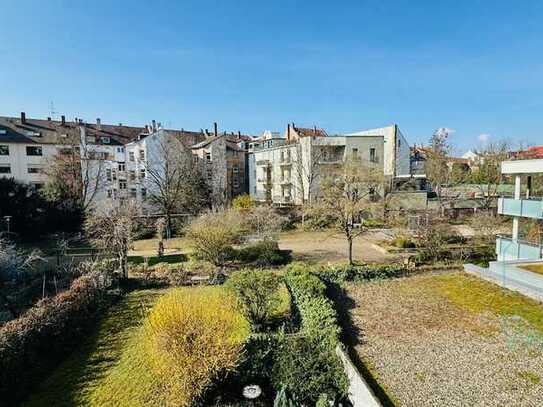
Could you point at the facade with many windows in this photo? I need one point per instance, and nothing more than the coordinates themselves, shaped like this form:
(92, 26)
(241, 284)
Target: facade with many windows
(290, 172)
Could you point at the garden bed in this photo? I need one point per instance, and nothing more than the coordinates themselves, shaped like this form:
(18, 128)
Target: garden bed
(448, 339)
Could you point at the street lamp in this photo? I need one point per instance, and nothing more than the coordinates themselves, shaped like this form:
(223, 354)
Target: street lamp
(7, 218)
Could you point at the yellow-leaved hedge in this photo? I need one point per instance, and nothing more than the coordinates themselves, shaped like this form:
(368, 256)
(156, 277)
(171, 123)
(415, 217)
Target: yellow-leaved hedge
(191, 336)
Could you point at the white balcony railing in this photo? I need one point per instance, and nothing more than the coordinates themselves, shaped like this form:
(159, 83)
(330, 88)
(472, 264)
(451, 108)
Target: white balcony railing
(526, 208)
(509, 249)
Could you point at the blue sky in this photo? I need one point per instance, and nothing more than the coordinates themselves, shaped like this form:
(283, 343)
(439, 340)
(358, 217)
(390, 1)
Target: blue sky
(472, 66)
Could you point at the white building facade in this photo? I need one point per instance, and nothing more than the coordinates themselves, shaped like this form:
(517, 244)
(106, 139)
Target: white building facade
(290, 173)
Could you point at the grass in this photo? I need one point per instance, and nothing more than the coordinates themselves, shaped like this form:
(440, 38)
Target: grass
(535, 268)
(478, 296)
(176, 243)
(82, 378)
(170, 259)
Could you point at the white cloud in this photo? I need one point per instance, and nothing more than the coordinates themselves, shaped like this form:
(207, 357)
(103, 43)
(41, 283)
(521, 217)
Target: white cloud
(483, 138)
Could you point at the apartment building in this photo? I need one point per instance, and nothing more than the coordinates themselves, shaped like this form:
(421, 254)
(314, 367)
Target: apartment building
(224, 159)
(112, 156)
(290, 172)
(522, 206)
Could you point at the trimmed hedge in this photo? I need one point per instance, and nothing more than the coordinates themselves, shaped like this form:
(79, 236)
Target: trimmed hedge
(306, 363)
(39, 339)
(318, 317)
(341, 273)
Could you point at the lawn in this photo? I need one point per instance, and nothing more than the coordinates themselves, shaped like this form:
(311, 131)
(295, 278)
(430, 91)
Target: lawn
(82, 378)
(448, 339)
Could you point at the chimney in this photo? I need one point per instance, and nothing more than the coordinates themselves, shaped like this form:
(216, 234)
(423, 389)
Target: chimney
(63, 120)
(315, 128)
(153, 125)
(239, 134)
(215, 129)
(99, 124)
(48, 119)
(23, 118)
(207, 132)
(288, 132)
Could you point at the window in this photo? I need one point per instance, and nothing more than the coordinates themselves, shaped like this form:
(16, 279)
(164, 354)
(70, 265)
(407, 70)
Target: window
(143, 193)
(33, 169)
(4, 150)
(142, 155)
(105, 140)
(208, 157)
(355, 153)
(122, 184)
(133, 192)
(235, 169)
(142, 173)
(373, 157)
(91, 139)
(109, 193)
(120, 149)
(122, 167)
(114, 175)
(108, 174)
(132, 175)
(5, 169)
(131, 156)
(236, 183)
(33, 150)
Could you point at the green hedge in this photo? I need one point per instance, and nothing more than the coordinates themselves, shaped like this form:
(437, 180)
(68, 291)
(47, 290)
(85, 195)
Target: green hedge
(34, 343)
(318, 317)
(341, 273)
(306, 363)
(261, 253)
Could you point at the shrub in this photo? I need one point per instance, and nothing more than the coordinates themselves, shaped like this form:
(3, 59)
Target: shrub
(258, 294)
(265, 222)
(36, 341)
(306, 364)
(341, 273)
(243, 202)
(262, 253)
(306, 371)
(191, 336)
(213, 234)
(403, 242)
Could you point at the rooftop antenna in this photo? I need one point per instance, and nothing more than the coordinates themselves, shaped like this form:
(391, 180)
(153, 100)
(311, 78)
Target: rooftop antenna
(52, 112)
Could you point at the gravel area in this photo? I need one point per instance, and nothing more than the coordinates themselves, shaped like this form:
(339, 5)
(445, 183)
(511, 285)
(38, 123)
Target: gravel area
(426, 349)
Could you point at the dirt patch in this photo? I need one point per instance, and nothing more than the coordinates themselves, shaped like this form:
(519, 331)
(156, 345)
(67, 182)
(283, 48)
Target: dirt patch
(330, 247)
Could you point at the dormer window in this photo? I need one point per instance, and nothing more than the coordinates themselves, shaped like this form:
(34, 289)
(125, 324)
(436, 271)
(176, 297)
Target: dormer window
(3, 132)
(105, 140)
(33, 134)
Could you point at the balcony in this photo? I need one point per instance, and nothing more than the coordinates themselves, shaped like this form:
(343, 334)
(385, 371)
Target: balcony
(526, 208)
(509, 249)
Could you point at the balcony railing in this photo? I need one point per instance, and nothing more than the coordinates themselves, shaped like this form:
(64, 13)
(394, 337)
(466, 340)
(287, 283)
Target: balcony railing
(526, 208)
(509, 249)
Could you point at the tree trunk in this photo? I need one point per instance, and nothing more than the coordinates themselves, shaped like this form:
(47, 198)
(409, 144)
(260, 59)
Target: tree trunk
(350, 245)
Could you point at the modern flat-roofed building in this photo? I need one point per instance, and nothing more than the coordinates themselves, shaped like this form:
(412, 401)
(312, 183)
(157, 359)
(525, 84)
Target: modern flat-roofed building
(289, 172)
(522, 206)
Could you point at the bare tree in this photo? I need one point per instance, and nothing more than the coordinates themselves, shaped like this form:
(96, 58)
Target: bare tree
(488, 176)
(112, 231)
(307, 170)
(75, 175)
(437, 170)
(175, 180)
(350, 196)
